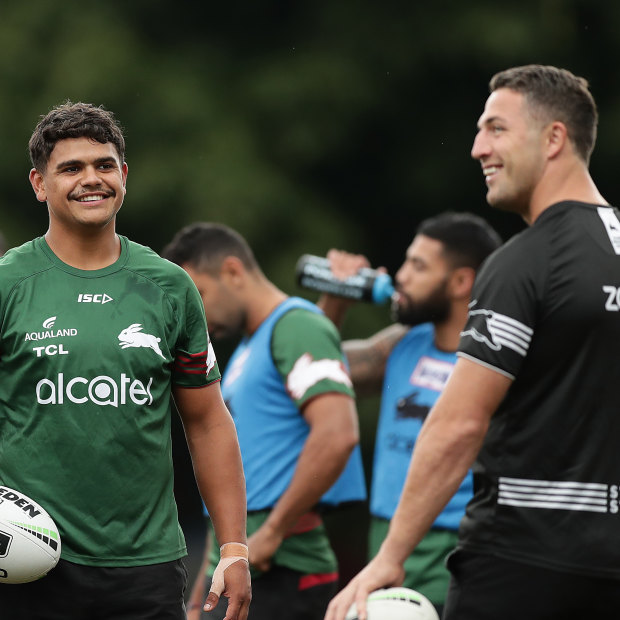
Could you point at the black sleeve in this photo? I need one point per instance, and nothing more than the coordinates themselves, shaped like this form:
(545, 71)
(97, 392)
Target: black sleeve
(505, 301)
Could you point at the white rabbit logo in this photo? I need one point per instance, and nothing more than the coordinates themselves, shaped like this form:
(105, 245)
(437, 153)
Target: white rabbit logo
(132, 336)
(307, 372)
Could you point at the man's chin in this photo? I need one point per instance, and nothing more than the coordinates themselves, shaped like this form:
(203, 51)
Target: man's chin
(405, 317)
(510, 204)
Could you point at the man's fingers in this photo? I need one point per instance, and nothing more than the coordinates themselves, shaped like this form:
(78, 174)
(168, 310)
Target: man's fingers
(360, 603)
(212, 601)
(232, 611)
(340, 604)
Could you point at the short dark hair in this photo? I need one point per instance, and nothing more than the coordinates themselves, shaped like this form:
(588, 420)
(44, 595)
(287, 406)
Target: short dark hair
(204, 245)
(467, 238)
(74, 120)
(555, 94)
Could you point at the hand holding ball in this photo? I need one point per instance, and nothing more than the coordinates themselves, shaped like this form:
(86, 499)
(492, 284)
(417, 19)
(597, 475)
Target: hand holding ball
(396, 604)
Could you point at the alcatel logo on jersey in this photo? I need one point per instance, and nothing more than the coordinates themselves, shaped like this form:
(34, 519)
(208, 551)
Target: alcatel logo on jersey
(98, 298)
(101, 390)
(613, 298)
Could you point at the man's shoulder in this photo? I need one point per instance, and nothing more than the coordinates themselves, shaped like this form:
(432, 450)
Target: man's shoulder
(304, 328)
(531, 249)
(145, 261)
(21, 262)
(304, 319)
(522, 252)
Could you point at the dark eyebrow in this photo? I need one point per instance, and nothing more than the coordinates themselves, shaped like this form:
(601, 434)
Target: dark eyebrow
(415, 259)
(490, 121)
(79, 162)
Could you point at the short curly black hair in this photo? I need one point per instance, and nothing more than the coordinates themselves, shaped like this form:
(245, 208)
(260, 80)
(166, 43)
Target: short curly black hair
(74, 120)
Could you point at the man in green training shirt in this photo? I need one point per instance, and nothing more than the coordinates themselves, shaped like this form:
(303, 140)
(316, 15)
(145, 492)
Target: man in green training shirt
(96, 334)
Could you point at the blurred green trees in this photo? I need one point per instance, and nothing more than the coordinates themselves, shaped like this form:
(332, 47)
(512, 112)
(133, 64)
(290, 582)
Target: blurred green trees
(303, 124)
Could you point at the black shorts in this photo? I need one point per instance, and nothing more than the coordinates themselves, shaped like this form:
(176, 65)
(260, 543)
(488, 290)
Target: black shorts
(484, 587)
(75, 592)
(283, 593)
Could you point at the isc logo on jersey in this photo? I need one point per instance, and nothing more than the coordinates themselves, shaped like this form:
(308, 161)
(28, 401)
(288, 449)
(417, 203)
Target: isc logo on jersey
(97, 298)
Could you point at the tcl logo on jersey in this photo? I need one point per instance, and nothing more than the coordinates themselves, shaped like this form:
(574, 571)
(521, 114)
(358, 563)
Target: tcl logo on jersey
(101, 390)
(50, 349)
(97, 298)
(613, 298)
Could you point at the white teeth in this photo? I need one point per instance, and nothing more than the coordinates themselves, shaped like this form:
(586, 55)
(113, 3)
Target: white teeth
(489, 171)
(90, 198)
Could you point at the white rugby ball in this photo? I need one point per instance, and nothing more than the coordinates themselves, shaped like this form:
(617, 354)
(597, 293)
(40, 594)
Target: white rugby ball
(29, 539)
(396, 604)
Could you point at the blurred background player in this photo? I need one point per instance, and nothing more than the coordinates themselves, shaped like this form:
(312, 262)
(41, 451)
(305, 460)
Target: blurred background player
(292, 401)
(411, 361)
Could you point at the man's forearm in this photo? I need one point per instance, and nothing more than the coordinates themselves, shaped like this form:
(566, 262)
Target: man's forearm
(367, 358)
(219, 474)
(333, 436)
(436, 471)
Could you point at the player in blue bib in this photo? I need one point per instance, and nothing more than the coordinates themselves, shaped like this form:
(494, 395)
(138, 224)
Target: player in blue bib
(411, 362)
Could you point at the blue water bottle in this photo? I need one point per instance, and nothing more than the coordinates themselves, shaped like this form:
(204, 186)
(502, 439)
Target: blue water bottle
(314, 273)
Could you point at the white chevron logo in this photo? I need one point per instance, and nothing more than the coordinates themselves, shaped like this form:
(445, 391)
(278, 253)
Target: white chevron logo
(498, 330)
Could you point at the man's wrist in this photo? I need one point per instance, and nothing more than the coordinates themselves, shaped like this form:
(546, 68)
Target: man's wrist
(394, 551)
(234, 549)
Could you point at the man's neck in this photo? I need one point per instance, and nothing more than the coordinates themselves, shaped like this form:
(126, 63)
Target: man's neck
(448, 332)
(87, 252)
(571, 182)
(262, 299)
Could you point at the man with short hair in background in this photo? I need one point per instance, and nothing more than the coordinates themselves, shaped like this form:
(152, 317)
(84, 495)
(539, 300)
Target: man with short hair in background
(409, 363)
(290, 394)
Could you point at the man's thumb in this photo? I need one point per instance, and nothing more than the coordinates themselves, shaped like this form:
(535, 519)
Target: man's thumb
(212, 601)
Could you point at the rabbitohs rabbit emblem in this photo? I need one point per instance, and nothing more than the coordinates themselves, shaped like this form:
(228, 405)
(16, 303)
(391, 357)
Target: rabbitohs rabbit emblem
(132, 336)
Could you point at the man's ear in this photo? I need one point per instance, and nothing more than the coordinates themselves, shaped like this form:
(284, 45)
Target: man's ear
(556, 136)
(232, 271)
(124, 173)
(38, 185)
(461, 282)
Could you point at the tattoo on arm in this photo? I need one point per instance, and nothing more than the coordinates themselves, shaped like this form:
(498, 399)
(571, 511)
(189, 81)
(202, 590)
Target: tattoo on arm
(367, 358)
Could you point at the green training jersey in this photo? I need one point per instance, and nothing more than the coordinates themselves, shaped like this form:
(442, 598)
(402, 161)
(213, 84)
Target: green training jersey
(87, 360)
(298, 353)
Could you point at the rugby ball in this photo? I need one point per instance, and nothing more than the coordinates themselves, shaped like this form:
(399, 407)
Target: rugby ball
(396, 604)
(29, 539)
